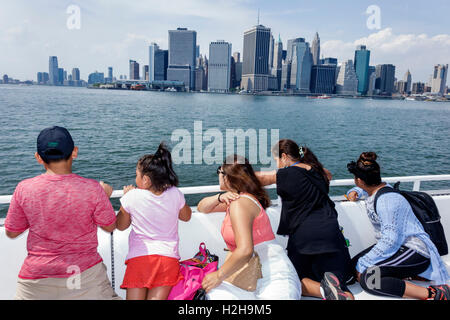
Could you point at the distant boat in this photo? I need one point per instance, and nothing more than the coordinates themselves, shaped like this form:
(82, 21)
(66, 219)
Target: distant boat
(411, 99)
(138, 87)
(319, 97)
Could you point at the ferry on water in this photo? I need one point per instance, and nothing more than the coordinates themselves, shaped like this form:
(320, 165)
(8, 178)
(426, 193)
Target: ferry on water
(206, 228)
(324, 96)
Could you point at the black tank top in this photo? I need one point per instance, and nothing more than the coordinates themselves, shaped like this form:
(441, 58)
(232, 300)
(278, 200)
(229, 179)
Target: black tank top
(308, 215)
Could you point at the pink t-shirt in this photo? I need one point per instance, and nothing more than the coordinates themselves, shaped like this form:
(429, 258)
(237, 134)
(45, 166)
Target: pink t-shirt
(154, 221)
(62, 213)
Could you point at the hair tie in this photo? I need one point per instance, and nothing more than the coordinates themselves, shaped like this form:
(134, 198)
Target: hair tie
(300, 151)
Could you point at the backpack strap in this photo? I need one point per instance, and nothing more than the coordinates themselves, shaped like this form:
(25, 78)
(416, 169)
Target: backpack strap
(379, 193)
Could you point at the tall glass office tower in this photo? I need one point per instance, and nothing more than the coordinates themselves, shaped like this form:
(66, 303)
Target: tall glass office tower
(53, 71)
(182, 53)
(362, 60)
(255, 62)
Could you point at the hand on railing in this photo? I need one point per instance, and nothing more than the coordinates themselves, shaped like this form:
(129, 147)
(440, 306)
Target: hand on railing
(108, 189)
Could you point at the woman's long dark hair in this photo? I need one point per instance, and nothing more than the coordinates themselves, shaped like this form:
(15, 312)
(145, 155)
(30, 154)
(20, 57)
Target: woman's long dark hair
(366, 168)
(158, 167)
(300, 154)
(241, 177)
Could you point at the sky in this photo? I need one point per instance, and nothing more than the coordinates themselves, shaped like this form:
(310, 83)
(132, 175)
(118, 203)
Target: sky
(411, 34)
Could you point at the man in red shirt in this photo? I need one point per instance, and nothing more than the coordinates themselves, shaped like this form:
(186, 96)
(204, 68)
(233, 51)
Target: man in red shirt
(62, 211)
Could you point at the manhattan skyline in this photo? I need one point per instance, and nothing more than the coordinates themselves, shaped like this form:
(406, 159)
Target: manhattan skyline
(412, 35)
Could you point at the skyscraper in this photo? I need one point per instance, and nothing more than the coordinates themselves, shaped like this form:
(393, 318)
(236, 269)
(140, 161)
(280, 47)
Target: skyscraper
(53, 70)
(385, 79)
(408, 80)
(76, 74)
(134, 70)
(219, 69)
(110, 75)
(271, 52)
(323, 78)
(347, 81)
(182, 53)
(60, 76)
(237, 57)
(96, 77)
(372, 81)
(278, 61)
(439, 80)
(315, 49)
(301, 65)
(145, 73)
(255, 63)
(362, 60)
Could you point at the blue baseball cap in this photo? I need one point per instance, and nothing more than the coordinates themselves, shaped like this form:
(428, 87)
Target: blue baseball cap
(54, 143)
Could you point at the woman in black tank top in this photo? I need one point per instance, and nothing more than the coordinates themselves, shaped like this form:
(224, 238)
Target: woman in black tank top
(316, 245)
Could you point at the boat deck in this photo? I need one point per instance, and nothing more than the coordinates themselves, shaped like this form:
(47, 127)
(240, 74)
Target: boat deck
(206, 228)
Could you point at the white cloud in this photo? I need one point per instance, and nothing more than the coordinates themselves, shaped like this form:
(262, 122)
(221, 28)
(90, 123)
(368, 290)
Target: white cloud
(416, 52)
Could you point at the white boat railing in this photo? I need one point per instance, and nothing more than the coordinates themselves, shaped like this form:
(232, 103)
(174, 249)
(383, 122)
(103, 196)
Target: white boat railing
(417, 180)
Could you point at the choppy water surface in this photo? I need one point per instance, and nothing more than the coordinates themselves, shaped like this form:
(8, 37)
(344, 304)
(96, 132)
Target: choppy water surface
(114, 128)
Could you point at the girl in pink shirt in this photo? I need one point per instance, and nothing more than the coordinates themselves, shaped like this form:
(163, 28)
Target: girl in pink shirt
(153, 210)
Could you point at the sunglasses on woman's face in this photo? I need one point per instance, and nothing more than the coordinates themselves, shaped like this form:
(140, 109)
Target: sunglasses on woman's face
(219, 170)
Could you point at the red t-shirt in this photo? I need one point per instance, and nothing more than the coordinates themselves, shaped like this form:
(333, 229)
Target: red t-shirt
(62, 213)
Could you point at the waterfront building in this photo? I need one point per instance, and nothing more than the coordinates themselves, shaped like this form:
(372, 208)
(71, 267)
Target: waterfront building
(145, 73)
(110, 78)
(385, 79)
(347, 81)
(418, 88)
(401, 87)
(238, 74)
(60, 76)
(372, 82)
(278, 61)
(232, 73)
(362, 60)
(76, 74)
(285, 75)
(323, 78)
(439, 79)
(272, 83)
(161, 64)
(237, 57)
(96, 77)
(255, 64)
(219, 68)
(134, 70)
(182, 53)
(271, 52)
(158, 63)
(53, 70)
(5, 79)
(408, 79)
(42, 78)
(329, 61)
(286, 67)
(199, 77)
(301, 65)
(315, 49)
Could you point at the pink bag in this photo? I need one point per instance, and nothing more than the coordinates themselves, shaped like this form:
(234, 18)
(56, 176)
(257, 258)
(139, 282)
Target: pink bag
(193, 271)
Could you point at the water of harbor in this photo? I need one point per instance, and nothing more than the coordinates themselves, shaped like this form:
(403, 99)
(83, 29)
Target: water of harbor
(114, 128)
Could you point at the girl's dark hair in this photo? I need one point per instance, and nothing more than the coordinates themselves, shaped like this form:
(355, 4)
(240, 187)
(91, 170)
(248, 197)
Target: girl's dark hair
(366, 168)
(158, 167)
(300, 154)
(241, 177)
